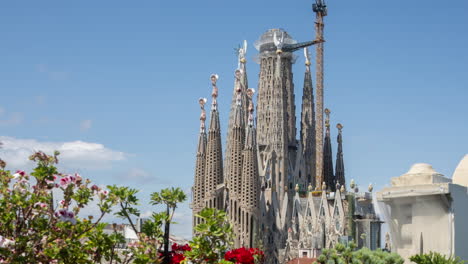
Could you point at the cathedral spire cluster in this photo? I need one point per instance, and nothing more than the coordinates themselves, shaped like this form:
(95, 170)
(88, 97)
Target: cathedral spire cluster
(265, 165)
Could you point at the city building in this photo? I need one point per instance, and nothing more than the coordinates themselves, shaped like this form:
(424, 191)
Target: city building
(426, 211)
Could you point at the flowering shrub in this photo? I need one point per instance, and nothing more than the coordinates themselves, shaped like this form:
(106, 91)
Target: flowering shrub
(212, 240)
(245, 256)
(33, 229)
(212, 237)
(40, 223)
(177, 254)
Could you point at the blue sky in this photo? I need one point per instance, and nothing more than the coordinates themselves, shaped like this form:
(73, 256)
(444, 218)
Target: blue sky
(126, 77)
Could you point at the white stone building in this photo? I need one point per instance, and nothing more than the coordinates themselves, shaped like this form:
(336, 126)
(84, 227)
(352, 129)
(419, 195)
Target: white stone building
(427, 211)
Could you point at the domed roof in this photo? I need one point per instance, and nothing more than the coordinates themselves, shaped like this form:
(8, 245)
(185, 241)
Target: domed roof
(460, 176)
(420, 173)
(421, 168)
(267, 38)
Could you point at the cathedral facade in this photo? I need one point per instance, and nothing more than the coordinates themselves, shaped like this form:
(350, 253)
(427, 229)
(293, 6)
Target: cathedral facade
(280, 192)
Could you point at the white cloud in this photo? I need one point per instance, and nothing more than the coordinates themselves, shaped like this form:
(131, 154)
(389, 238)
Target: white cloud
(85, 125)
(73, 154)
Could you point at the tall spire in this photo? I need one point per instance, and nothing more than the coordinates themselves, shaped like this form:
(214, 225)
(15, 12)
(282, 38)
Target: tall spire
(240, 83)
(199, 186)
(214, 156)
(328, 175)
(233, 172)
(250, 182)
(308, 123)
(340, 171)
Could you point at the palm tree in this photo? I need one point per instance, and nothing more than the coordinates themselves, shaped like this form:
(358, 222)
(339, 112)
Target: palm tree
(169, 197)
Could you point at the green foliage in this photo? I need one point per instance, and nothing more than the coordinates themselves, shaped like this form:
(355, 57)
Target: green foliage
(435, 258)
(35, 230)
(342, 254)
(169, 197)
(213, 237)
(152, 227)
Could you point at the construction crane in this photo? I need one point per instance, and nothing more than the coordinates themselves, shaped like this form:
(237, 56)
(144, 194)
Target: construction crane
(320, 9)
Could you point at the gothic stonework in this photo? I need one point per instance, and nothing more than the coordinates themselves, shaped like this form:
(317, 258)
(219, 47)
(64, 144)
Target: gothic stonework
(279, 192)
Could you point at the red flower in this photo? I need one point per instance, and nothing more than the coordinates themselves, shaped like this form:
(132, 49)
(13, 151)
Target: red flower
(244, 256)
(177, 258)
(177, 254)
(175, 247)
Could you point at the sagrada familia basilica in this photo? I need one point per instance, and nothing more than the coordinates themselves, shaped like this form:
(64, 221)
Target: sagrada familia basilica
(280, 192)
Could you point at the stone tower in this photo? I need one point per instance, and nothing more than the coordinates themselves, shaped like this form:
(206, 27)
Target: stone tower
(250, 194)
(214, 155)
(308, 125)
(236, 142)
(328, 175)
(199, 187)
(340, 171)
(276, 121)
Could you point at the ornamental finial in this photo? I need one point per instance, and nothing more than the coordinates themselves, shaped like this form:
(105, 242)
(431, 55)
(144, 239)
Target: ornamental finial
(250, 94)
(327, 119)
(238, 88)
(214, 94)
(352, 184)
(241, 52)
(339, 126)
(342, 189)
(307, 58)
(202, 102)
(279, 42)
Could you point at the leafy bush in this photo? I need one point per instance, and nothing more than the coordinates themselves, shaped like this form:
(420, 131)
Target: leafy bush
(213, 239)
(348, 254)
(435, 258)
(34, 229)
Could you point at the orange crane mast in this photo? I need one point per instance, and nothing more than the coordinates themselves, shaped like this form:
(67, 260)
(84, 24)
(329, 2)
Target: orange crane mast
(320, 9)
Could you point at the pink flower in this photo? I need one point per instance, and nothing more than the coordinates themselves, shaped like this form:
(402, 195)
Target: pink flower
(70, 215)
(66, 216)
(72, 178)
(62, 202)
(95, 188)
(78, 178)
(19, 173)
(103, 194)
(41, 205)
